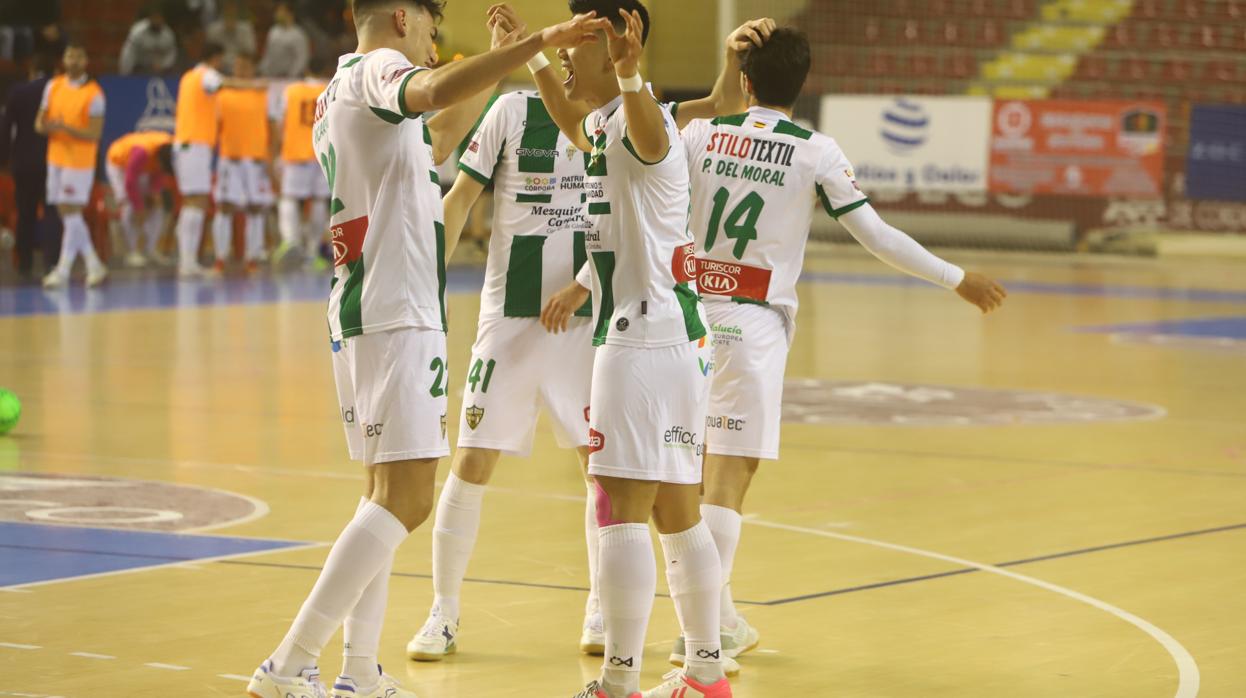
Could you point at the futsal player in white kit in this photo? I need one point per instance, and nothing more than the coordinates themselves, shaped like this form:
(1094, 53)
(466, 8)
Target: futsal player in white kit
(537, 245)
(387, 309)
(757, 180)
(651, 372)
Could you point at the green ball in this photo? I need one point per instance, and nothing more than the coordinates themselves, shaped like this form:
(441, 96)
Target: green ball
(10, 411)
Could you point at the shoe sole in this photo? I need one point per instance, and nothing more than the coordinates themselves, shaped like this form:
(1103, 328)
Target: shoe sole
(431, 657)
(593, 650)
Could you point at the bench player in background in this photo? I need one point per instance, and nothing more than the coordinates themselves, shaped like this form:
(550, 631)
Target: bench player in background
(757, 179)
(139, 165)
(194, 139)
(302, 183)
(243, 168)
(386, 310)
(71, 114)
(536, 247)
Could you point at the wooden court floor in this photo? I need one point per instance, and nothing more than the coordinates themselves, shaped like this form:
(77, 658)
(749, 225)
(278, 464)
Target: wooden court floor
(1046, 502)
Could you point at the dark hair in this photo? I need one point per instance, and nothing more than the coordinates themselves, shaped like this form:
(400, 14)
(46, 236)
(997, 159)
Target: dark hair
(436, 8)
(317, 65)
(609, 9)
(75, 45)
(779, 68)
(245, 55)
(164, 156)
(212, 49)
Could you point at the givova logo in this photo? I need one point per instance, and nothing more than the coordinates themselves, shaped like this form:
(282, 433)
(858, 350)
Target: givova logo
(683, 438)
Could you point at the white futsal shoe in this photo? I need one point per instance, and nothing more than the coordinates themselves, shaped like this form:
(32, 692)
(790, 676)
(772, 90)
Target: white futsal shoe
(387, 687)
(435, 640)
(96, 275)
(593, 638)
(54, 279)
(677, 684)
(265, 685)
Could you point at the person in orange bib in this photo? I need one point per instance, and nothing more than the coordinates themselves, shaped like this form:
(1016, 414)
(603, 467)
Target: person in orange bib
(194, 139)
(138, 165)
(243, 170)
(302, 180)
(72, 116)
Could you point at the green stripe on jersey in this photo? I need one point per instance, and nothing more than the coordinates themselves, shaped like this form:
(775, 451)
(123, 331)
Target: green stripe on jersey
(428, 135)
(579, 255)
(787, 128)
(523, 277)
(533, 198)
(440, 231)
(473, 174)
(538, 147)
(688, 302)
(837, 212)
(434, 177)
(392, 117)
(604, 263)
(599, 208)
(733, 120)
(349, 312)
(351, 62)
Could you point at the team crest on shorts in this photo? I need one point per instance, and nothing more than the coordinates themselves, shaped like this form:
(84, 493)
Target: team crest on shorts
(474, 415)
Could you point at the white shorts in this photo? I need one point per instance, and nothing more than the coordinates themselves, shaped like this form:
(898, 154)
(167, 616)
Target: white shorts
(746, 398)
(303, 180)
(647, 420)
(69, 186)
(242, 183)
(516, 368)
(391, 387)
(192, 166)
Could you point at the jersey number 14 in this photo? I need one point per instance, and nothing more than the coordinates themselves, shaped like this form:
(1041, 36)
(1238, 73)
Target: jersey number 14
(741, 223)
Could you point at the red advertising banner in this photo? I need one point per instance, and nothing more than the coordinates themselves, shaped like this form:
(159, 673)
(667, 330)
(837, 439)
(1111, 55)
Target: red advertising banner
(1076, 148)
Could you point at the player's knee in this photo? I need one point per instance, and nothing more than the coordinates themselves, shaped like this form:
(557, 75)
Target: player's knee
(411, 509)
(475, 465)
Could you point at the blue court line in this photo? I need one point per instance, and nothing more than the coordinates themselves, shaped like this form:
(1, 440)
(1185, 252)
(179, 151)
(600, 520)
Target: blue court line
(31, 553)
(1011, 563)
(805, 597)
(1232, 327)
(146, 291)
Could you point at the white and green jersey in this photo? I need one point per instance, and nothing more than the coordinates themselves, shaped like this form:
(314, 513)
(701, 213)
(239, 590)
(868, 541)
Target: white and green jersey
(386, 218)
(640, 246)
(538, 215)
(756, 180)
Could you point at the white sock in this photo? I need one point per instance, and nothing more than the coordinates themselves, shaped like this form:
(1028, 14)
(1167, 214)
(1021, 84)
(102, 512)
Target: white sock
(152, 229)
(255, 236)
(724, 525)
(591, 538)
(70, 244)
(362, 628)
(365, 546)
(627, 580)
(189, 232)
(77, 241)
(454, 536)
(128, 229)
(222, 234)
(288, 220)
(317, 225)
(695, 577)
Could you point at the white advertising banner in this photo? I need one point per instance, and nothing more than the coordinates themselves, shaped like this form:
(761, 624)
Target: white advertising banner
(912, 143)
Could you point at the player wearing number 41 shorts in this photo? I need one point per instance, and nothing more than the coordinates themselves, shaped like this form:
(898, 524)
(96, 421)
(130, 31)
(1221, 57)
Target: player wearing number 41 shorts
(516, 367)
(757, 179)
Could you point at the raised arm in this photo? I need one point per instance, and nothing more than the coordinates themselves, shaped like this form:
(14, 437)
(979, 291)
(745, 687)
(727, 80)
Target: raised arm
(646, 125)
(430, 90)
(728, 95)
(567, 114)
(458, 203)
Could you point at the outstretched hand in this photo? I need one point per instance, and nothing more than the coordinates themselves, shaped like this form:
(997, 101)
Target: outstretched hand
(625, 48)
(981, 291)
(755, 32)
(505, 26)
(578, 30)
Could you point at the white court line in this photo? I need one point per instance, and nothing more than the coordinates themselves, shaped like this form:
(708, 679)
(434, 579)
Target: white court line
(235, 677)
(19, 646)
(1188, 677)
(167, 667)
(91, 655)
(163, 565)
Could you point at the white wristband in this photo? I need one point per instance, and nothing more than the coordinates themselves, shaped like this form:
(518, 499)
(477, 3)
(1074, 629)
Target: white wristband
(538, 63)
(632, 84)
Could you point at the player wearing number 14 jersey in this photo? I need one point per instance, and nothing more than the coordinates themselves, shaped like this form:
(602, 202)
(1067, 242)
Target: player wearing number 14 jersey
(757, 179)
